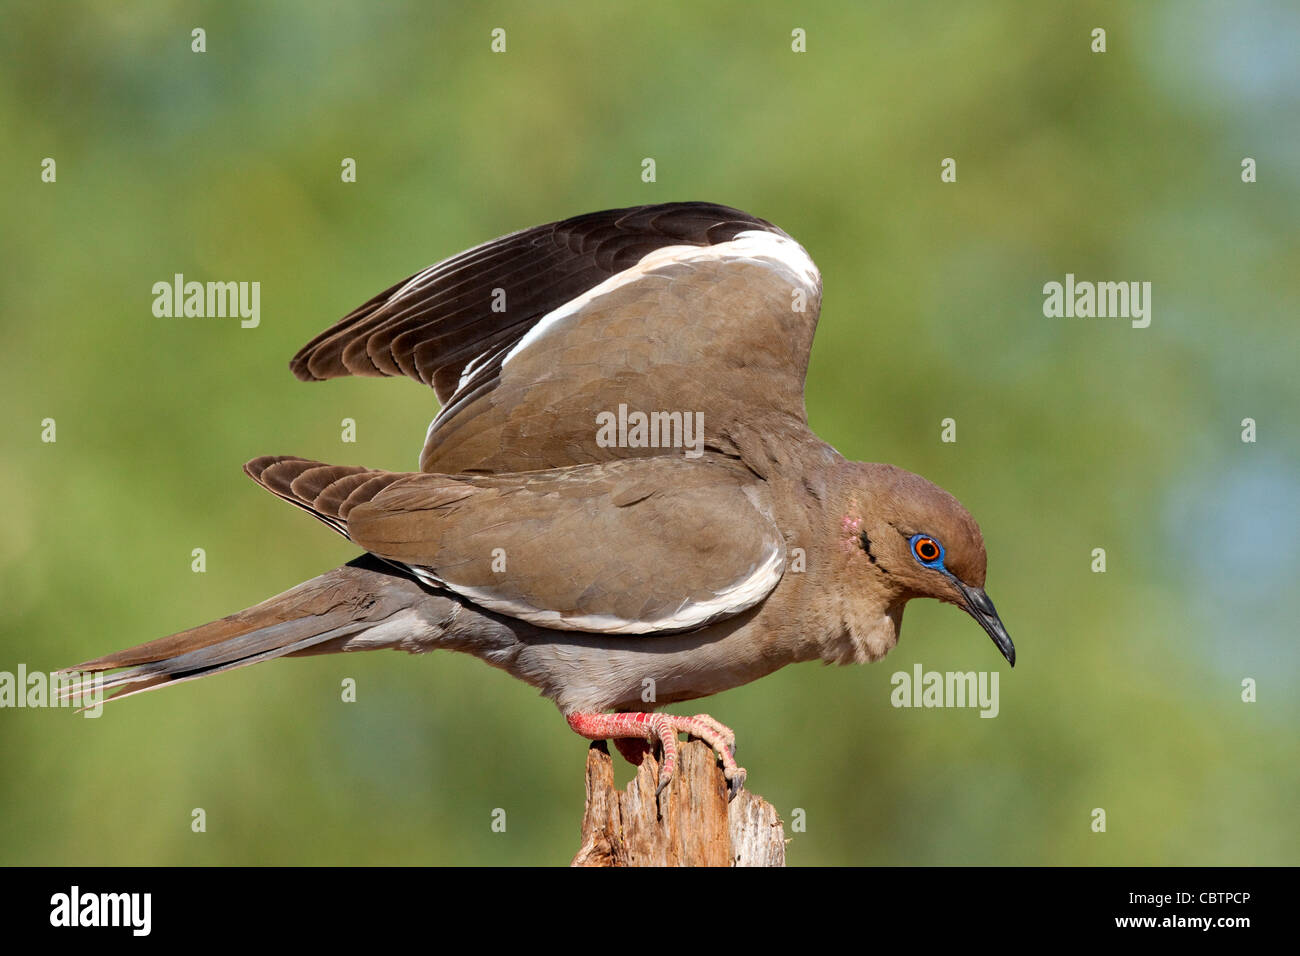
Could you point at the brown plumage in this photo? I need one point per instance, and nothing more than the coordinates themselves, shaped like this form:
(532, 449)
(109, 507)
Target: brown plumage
(584, 566)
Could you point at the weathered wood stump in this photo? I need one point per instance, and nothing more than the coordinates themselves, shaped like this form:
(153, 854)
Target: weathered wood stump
(691, 824)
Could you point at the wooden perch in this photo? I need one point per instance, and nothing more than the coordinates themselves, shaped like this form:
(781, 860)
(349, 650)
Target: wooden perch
(692, 824)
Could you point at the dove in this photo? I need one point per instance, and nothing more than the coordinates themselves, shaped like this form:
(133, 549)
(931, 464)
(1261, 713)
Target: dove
(619, 501)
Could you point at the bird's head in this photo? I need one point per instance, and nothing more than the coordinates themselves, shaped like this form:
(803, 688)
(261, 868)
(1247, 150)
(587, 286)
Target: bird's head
(909, 538)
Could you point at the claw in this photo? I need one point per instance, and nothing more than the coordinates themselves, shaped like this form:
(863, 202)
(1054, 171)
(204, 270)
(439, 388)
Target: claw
(735, 783)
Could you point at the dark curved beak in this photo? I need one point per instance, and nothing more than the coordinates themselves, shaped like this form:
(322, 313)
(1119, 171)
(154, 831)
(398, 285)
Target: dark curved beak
(979, 606)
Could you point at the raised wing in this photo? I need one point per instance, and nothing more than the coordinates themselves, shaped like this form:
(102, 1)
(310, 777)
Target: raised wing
(628, 547)
(526, 339)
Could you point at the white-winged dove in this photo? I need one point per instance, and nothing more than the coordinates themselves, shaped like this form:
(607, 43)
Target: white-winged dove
(566, 524)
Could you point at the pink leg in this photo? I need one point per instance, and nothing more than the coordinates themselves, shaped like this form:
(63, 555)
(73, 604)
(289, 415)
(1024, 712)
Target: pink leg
(664, 729)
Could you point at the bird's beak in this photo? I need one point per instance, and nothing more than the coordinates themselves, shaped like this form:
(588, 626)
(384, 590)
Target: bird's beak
(979, 606)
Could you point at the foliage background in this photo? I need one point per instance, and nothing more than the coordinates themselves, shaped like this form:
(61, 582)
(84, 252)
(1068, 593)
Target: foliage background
(1073, 434)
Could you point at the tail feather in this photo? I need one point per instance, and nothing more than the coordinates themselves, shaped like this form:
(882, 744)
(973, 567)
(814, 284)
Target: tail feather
(318, 616)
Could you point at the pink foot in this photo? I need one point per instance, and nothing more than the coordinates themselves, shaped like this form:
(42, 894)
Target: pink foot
(663, 729)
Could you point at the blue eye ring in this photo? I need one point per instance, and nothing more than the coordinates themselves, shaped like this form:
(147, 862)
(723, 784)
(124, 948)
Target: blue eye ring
(927, 551)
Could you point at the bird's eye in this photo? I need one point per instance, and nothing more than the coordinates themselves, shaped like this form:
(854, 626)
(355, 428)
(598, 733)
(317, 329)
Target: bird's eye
(927, 550)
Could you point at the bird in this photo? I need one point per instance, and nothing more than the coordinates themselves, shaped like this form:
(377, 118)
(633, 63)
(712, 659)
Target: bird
(619, 500)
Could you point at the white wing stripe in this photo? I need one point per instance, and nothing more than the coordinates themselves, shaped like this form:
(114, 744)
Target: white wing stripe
(753, 244)
(740, 596)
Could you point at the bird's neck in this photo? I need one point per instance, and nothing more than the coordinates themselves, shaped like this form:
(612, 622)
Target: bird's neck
(852, 613)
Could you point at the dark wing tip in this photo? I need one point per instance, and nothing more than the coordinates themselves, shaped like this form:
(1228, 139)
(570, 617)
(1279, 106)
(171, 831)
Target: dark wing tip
(257, 467)
(426, 333)
(300, 365)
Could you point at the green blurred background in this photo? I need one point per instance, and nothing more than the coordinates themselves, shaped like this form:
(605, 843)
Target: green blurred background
(1073, 434)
